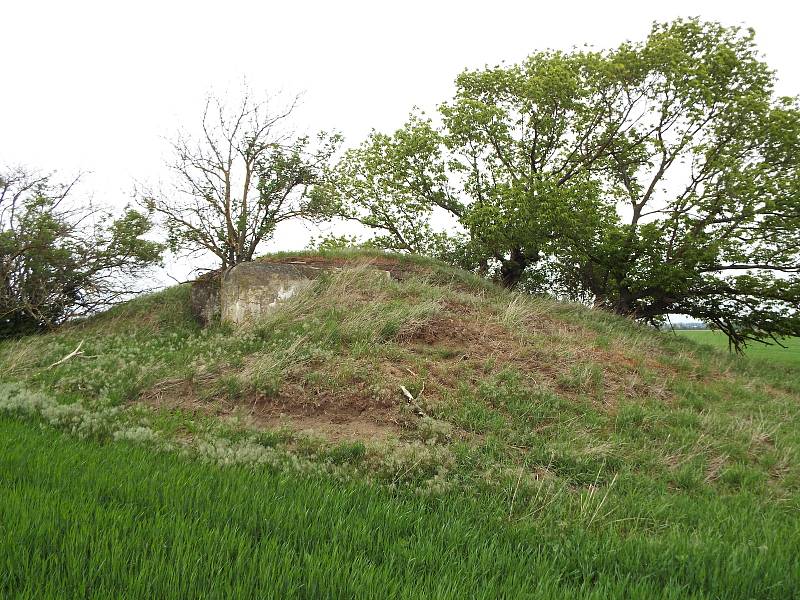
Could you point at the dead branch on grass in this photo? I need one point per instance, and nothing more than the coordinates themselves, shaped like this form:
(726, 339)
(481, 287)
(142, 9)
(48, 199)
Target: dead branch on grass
(76, 352)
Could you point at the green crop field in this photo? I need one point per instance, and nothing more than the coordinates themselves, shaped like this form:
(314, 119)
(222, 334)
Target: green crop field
(82, 520)
(547, 451)
(790, 355)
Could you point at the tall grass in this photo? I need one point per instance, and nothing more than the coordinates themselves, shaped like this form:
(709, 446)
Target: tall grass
(81, 520)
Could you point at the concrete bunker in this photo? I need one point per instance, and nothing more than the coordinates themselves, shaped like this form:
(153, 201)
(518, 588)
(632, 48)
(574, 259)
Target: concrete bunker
(250, 290)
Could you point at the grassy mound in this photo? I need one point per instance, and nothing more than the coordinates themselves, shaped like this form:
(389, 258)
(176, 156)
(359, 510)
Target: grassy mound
(567, 433)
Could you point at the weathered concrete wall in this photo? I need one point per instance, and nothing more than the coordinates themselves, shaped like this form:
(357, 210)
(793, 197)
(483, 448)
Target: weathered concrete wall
(250, 290)
(204, 298)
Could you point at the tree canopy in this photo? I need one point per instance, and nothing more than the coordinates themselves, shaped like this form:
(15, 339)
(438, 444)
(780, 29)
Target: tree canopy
(658, 177)
(238, 180)
(60, 259)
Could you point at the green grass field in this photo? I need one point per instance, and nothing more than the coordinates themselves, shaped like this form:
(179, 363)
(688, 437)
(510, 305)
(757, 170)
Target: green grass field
(82, 520)
(790, 355)
(551, 452)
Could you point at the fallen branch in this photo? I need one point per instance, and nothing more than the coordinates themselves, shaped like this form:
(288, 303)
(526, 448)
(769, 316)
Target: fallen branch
(413, 401)
(76, 352)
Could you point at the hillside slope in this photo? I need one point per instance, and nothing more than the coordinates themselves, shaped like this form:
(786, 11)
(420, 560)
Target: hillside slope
(559, 418)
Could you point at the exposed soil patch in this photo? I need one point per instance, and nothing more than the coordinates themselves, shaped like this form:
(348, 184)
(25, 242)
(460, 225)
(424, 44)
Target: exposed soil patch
(351, 413)
(447, 329)
(347, 414)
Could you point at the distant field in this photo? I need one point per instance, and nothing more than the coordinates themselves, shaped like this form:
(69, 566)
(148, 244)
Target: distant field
(789, 355)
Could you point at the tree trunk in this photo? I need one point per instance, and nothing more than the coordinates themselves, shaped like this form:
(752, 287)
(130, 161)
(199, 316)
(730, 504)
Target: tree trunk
(512, 269)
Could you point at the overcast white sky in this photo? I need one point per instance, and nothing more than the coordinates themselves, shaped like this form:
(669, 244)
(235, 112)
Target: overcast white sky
(97, 86)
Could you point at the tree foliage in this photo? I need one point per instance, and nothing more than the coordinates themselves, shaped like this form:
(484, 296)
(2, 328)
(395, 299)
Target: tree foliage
(393, 185)
(659, 177)
(709, 176)
(59, 260)
(238, 180)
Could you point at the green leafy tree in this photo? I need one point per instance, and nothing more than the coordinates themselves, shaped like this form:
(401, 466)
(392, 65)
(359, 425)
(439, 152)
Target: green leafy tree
(393, 185)
(660, 177)
(59, 260)
(708, 177)
(525, 141)
(244, 175)
(510, 165)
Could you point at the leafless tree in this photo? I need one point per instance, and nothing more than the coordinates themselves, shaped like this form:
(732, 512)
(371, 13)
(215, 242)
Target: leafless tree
(243, 175)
